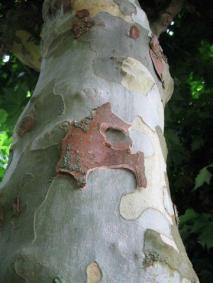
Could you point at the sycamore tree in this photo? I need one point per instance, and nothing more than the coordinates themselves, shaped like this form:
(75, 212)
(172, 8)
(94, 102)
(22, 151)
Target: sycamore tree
(86, 197)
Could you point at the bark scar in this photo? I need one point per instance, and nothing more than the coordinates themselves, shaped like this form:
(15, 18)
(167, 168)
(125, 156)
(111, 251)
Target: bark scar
(134, 32)
(27, 124)
(158, 58)
(86, 148)
(82, 24)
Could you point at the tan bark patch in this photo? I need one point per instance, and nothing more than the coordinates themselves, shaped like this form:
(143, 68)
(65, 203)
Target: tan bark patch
(94, 274)
(98, 6)
(133, 205)
(186, 280)
(162, 142)
(136, 76)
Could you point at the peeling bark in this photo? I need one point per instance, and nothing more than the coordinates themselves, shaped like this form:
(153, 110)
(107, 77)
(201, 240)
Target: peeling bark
(134, 32)
(97, 115)
(86, 148)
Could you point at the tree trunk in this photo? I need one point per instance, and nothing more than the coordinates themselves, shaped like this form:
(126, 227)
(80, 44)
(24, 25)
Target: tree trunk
(86, 196)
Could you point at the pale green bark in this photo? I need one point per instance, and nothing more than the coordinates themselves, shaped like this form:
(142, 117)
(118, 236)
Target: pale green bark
(112, 231)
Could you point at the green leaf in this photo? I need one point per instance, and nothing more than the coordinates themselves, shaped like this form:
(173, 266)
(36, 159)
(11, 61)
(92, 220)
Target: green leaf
(197, 86)
(189, 215)
(204, 176)
(5, 141)
(2, 170)
(198, 224)
(206, 236)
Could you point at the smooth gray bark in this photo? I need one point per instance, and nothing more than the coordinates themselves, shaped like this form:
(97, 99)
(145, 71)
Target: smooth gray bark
(113, 230)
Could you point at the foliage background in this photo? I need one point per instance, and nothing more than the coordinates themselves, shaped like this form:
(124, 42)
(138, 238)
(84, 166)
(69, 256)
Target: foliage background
(188, 125)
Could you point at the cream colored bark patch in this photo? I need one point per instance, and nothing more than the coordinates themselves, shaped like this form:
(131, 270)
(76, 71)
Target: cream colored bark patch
(94, 274)
(132, 205)
(169, 242)
(167, 201)
(97, 6)
(162, 142)
(168, 84)
(186, 280)
(136, 76)
(140, 139)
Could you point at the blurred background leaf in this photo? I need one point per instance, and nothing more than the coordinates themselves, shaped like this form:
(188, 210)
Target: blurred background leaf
(204, 176)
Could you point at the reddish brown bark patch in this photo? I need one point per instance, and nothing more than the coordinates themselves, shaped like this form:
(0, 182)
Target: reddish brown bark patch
(134, 32)
(26, 125)
(82, 14)
(158, 58)
(82, 24)
(86, 147)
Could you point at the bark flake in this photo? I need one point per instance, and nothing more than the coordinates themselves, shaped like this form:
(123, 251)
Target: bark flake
(82, 23)
(82, 13)
(87, 146)
(134, 32)
(158, 58)
(26, 124)
(94, 273)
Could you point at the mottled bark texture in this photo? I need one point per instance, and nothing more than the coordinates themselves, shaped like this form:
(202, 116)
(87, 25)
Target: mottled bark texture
(97, 115)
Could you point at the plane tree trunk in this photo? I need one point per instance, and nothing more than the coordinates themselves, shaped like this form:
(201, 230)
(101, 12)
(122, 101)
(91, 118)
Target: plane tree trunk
(86, 196)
